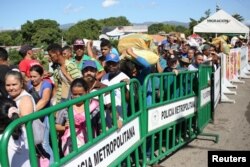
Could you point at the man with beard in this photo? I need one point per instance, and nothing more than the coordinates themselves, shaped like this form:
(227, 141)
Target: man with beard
(89, 72)
(115, 76)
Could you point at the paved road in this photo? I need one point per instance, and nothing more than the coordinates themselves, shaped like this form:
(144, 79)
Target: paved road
(232, 123)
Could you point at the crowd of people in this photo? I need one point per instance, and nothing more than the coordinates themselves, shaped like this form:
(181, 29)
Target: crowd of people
(77, 71)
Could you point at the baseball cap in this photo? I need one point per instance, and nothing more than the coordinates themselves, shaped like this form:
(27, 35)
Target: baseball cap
(112, 57)
(185, 60)
(24, 49)
(79, 42)
(172, 58)
(89, 63)
(205, 47)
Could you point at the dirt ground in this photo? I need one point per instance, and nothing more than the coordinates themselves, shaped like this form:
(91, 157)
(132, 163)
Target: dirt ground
(232, 124)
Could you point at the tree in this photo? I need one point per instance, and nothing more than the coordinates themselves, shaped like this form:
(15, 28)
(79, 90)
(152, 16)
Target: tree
(41, 32)
(16, 37)
(14, 57)
(27, 32)
(45, 36)
(217, 8)
(194, 22)
(115, 21)
(5, 39)
(155, 28)
(10, 38)
(238, 17)
(89, 29)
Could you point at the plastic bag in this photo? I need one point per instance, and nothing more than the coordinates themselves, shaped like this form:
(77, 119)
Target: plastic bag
(38, 131)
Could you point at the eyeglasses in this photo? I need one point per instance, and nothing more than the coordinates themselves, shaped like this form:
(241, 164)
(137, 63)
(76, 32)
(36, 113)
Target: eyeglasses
(76, 47)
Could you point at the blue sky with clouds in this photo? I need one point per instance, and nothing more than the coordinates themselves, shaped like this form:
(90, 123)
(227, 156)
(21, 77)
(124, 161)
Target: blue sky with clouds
(14, 13)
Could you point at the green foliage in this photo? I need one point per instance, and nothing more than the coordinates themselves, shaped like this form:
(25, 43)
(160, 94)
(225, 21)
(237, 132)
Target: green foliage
(238, 17)
(194, 22)
(5, 39)
(115, 21)
(155, 28)
(14, 57)
(45, 36)
(43, 61)
(41, 32)
(89, 29)
(16, 37)
(10, 38)
(27, 32)
(217, 8)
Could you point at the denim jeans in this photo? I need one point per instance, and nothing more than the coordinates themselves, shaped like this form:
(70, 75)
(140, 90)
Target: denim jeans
(45, 143)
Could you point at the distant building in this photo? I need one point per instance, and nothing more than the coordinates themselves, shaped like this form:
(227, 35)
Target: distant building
(117, 32)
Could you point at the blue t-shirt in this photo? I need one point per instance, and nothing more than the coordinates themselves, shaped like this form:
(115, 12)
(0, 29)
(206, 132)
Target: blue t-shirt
(45, 84)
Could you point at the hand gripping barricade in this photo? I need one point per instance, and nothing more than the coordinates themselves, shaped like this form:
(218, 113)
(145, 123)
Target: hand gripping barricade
(160, 117)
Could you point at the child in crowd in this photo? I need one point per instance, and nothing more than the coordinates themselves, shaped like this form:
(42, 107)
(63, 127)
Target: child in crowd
(17, 152)
(78, 88)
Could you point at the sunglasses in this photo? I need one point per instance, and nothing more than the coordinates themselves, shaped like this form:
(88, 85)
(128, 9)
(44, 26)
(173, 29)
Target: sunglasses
(78, 47)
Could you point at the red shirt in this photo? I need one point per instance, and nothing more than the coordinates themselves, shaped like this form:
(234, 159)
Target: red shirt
(25, 64)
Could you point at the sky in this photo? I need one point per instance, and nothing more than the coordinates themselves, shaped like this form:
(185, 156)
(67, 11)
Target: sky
(14, 13)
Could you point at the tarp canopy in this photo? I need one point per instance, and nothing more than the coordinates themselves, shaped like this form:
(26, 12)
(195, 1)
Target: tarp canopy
(221, 22)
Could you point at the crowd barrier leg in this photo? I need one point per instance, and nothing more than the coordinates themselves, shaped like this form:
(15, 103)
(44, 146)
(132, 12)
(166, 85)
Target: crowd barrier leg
(225, 90)
(237, 80)
(216, 136)
(225, 99)
(228, 84)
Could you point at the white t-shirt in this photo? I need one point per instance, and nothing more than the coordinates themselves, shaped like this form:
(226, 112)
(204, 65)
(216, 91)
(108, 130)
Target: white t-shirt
(117, 79)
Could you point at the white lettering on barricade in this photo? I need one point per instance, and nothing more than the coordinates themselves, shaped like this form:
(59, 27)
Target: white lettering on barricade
(109, 149)
(216, 87)
(160, 116)
(205, 96)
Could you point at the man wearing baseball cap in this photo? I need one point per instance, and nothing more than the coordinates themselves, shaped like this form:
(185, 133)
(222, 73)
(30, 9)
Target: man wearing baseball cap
(80, 57)
(89, 72)
(115, 76)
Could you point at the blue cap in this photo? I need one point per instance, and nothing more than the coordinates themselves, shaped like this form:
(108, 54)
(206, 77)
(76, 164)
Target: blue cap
(112, 57)
(164, 42)
(89, 63)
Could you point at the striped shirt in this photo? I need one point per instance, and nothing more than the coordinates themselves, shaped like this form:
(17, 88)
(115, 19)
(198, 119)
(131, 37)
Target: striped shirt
(63, 84)
(84, 58)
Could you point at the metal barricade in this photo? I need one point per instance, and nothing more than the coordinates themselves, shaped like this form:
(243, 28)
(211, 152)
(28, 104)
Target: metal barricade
(112, 147)
(169, 113)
